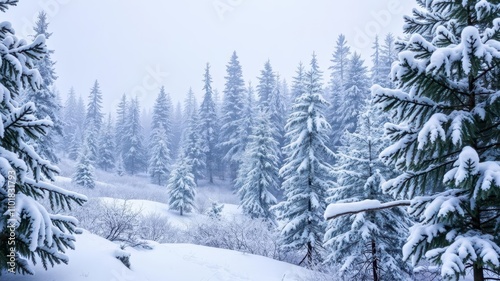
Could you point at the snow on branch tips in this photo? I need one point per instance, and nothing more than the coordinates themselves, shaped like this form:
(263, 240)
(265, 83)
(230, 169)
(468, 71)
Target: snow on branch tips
(336, 210)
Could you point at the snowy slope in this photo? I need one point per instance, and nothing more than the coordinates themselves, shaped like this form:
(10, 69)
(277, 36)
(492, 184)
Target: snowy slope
(93, 260)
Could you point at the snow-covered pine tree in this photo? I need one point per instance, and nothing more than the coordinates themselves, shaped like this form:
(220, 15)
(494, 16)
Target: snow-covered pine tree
(357, 90)
(306, 171)
(445, 138)
(377, 74)
(177, 129)
(160, 155)
(208, 127)
(45, 98)
(258, 173)
(70, 122)
(120, 167)
(121, 121)
(134, 156)
(75, 145)
(182, 187)
(40, 236)
(337, 84)
(190, 107)
(232, 115)
(80, 113)
(159, 163)
(277, 115)
(287, 95)
(388, 55)
(267, 83)
(366, 246)
(94, 117)
(106, 155)
(192, 149)
(298, 83)
(93, 121)
(84, 174)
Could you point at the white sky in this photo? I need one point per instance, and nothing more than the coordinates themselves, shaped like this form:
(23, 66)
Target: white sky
(130, 46)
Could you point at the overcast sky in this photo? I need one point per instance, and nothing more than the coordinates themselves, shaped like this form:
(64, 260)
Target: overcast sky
(134, 47)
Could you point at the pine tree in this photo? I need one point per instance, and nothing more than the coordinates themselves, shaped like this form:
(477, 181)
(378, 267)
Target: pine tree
(306, 172)
(120, 167)
(25, 176)
(80, 113)
(75, 145)
(232, 116)
(71, 122)
(84, 174)
(45, 98)
(298, 82)
(192, 149)
(444, 137)
(208, 127)
(388, 55)
(267, 83)
(160, 154)
(94, 117)
(134, 157)
(159, 163)
(357, 90)
(366, 246)
(190, 106)
(93, 121)
(106, 155)
(121, 121)
(177, 128)
(181, 186)
(377, 73)
(338, 79)
(277, 113)
(258, 174)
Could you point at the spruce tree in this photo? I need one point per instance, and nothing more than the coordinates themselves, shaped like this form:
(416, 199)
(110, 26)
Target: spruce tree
(70, 119)
(232, 116)
(388, 55)
(93, 121)
(160, 154)
(134, 156)
(159, 163)
(298, 83)
(338, 79)
(357, 90)
(258, 174)
(39, 235)
(192, 148)
(182, 187)
(106, 155)
(306, 171)
(84, 174)
(208, 127)
(267, 83)
(277, 114)
(177, 128)
(121, 121)
(445, 135)
(45, 98)
(94, 117)
(366, 246)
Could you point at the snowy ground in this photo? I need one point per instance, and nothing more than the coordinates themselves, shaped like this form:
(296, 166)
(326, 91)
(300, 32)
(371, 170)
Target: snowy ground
(95, 257)
(94, 260)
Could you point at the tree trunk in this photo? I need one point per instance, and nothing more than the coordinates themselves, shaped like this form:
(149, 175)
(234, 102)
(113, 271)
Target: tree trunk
(181, 211)
(374, 261)
(478, 273)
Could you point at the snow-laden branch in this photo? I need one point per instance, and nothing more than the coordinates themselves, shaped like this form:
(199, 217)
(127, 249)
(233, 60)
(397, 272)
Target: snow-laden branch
(336, 210)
